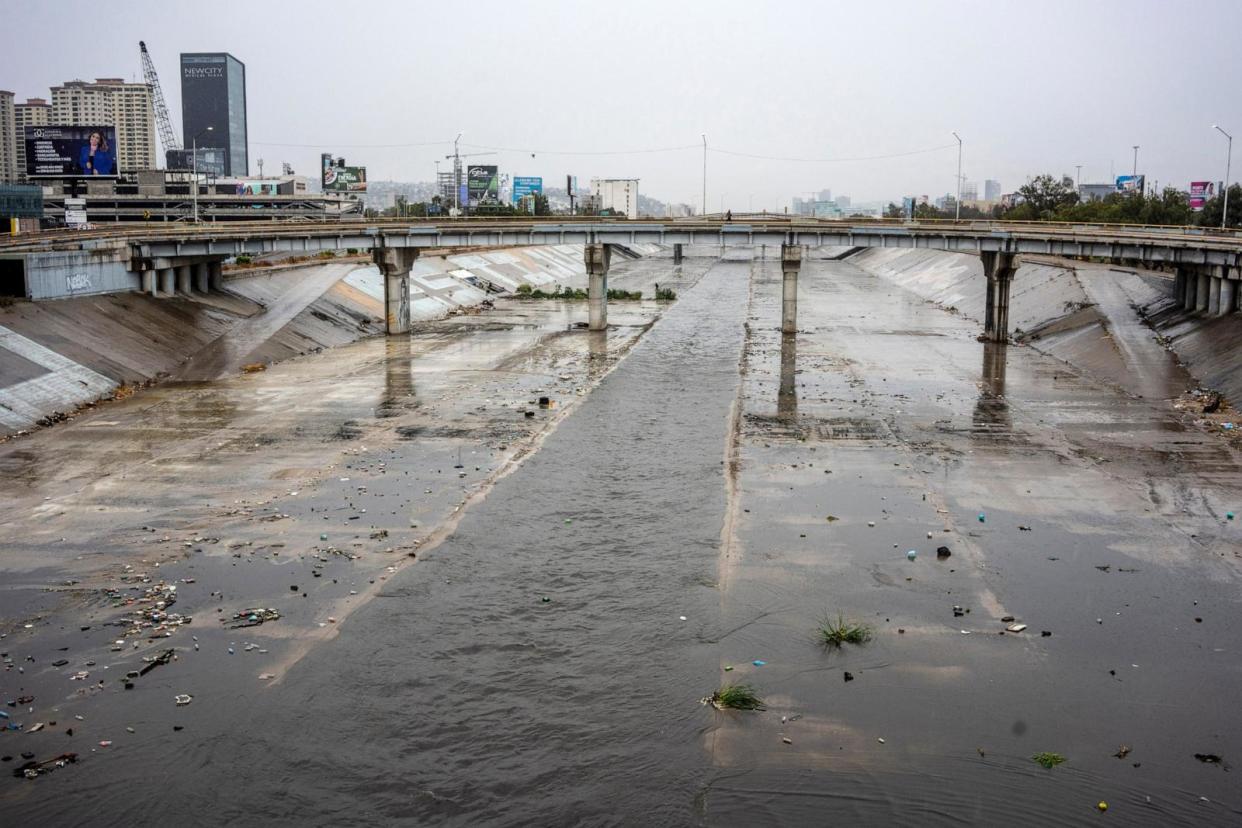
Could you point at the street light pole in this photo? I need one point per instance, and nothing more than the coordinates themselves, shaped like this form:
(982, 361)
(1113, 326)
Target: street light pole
(1224, 216)
(704, 134)
(194, 153)
(958, 200)
(456, 175)
(1136, 149)
(1078, 181)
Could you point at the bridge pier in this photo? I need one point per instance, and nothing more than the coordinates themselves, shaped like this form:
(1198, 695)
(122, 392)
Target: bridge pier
(1186, 287)
(597, 257)
(202, 277)
(998, 269)
(215, 276)
(394, 264)
(183, 278)
(148, 282)
(1203, 290)
(168, 281)
(1213, 307)
(677, 254)
(1228, 296)
(791, 264)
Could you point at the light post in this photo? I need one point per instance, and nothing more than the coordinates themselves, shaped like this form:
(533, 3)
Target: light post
(194, 153)
(1135, 172)
(958, 200)
(704, 134)
(456, 176)
(1224, 215)
(1078, 180)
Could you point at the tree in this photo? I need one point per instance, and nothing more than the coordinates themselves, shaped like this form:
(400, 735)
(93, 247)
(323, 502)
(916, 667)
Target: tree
(894, 211)
(1042, 197)
(1210, 217)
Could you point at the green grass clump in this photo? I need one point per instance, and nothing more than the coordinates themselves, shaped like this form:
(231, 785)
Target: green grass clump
(1048, 760)
(835, 633)
(665, 295)
(736, 697)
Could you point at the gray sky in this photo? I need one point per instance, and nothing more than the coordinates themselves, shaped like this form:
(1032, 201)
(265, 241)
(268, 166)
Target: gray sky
(1031, 86)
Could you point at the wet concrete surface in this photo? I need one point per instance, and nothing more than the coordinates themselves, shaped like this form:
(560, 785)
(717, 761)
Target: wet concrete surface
(694, 476)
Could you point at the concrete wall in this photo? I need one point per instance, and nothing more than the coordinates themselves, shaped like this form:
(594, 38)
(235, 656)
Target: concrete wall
(61, 274)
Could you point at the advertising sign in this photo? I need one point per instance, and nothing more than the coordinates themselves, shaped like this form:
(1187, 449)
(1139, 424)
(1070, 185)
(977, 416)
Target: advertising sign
(482, 183)
(1200, 192)
(336, 177)
(75, 212)
(524, 185)
(71, 152)
(1131, 183)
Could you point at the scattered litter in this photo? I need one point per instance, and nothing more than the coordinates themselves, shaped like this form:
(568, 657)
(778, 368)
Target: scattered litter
(758, 663)
(912, 554)
(1209, 758)
(849, 676)
(682, 617)
(982, 518)
(32, 770)
(251, 617)
(787, 740)
(942, 553)
(880, 740)
(1024, 528)
(1102, 805)
(1122, 752)
(1015, 628)
(182, 699)
(36, 727)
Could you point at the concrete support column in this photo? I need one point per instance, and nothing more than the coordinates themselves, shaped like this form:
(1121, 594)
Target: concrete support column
(1190, 289)
(791, 264)
(395, 264)
(148, 282)
(215, 276)
(1202, 292)
(597, 258)
(1213, 307)
(1228, 296)
(998, 269)
(202, 277)
(183, 278)
(677, 254)
(168, 281)
(1179, 285)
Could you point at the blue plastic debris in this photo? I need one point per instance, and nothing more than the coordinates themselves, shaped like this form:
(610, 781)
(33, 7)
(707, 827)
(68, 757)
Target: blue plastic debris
(758, 663)
(912, 554)
(982, 518)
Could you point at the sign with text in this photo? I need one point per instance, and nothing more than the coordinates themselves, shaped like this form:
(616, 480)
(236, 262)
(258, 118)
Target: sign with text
(483, 183)
(525, 185)
(1131, 183)
(337, 177)
(1200, 193)
(71, 152)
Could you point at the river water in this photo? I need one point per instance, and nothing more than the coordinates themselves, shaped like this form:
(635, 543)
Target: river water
(718, 493)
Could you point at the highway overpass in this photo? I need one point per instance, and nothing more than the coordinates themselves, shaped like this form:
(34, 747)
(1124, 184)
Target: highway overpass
(1207, 263)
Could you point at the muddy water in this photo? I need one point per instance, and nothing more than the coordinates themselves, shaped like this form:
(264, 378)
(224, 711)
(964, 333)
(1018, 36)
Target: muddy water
(458, 695)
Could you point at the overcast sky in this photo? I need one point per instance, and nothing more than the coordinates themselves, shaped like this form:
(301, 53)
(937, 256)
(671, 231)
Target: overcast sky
(1030, 86)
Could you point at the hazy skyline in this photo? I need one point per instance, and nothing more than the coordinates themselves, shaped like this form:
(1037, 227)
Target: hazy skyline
(1031, 88)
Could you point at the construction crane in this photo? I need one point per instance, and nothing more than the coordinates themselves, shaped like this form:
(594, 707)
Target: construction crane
(168, 137)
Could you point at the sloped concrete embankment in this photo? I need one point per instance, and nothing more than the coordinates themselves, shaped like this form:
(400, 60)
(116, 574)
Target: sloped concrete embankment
(57, 356)
(1086, 315)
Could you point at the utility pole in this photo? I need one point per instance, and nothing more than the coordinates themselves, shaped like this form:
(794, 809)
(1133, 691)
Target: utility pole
(1224, 215)
(1078, 180)
(194, 153)
(1136, 149)
(704, 134)
(958, 200)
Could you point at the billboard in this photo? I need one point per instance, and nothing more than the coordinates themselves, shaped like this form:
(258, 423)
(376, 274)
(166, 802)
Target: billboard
(482, 183)
(211, 160)
(524, 185)
(1131, 183)
(335, 176)
(71, 152)
(1200, 192)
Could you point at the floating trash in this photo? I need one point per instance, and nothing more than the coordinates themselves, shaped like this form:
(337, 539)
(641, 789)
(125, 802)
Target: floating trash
(182, 699)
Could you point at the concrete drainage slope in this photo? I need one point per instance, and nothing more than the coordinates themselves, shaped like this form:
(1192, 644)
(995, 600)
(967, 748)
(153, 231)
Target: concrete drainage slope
(59, 355)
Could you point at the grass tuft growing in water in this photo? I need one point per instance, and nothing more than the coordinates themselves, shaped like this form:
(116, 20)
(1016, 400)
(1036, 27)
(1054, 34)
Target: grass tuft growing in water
(1048, 760)
(835, 633)
(735, 697)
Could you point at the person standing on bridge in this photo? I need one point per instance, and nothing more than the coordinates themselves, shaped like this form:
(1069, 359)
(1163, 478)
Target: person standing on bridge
(728, 215)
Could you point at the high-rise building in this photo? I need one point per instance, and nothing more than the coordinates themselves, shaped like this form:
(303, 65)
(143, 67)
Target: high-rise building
(843, 201)
(213, 94)
(34, 112)
(991, 190)
(824, 195)
(970, 191)
(8, 133)
(115, 103)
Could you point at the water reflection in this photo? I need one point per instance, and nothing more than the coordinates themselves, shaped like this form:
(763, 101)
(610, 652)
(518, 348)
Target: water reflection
(991, 410)
(398, 377)
(787, 394)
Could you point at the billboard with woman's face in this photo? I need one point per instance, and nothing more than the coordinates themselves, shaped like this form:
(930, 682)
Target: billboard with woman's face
(71, 152)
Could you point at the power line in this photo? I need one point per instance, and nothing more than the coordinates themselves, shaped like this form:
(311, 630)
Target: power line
(583, 152)
(321, 145)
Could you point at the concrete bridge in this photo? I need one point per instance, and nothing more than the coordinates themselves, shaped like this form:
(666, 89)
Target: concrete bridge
(1207, 263)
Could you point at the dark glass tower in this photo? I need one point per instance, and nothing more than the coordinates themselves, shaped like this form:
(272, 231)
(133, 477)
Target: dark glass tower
(213, 94)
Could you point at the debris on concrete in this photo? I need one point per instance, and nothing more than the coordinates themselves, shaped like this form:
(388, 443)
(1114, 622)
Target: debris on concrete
(251, 617)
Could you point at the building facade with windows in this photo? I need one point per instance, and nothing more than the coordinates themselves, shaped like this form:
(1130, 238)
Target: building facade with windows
(213, 95)
(115, 103)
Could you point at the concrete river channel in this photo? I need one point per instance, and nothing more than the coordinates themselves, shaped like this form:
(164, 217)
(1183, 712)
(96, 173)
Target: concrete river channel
(492, 611)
